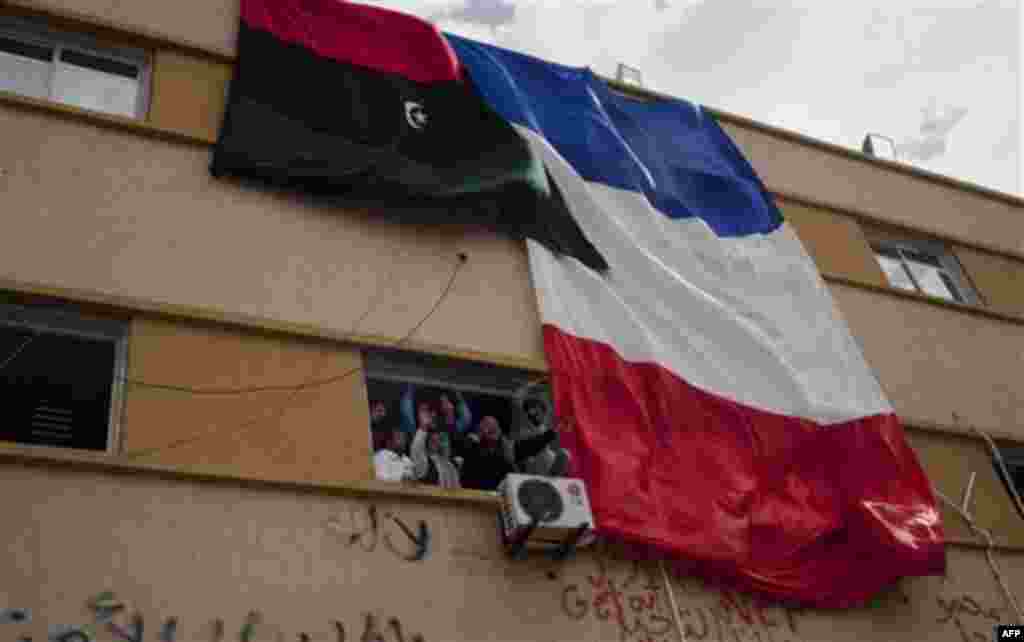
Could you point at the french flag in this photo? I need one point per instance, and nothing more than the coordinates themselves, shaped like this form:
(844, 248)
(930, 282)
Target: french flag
(718, 407)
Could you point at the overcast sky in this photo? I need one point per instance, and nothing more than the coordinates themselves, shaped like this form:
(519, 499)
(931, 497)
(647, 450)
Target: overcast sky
(940, 77)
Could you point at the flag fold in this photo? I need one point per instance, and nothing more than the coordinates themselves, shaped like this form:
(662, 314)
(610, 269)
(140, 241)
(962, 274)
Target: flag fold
(720, 409)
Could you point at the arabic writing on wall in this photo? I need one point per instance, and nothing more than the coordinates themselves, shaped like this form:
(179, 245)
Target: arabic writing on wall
(112, 618)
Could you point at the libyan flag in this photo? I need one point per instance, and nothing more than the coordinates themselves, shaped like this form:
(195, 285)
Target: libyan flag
(371, 107)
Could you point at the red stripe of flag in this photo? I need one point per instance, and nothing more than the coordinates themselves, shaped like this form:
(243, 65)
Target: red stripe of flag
(370, 37)
(784, 506)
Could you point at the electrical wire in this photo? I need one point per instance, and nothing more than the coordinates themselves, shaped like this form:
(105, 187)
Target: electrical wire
(309, 384)
(985, 533)
(17, 351)
(295, 388)
(672, 601)
(1011, 599)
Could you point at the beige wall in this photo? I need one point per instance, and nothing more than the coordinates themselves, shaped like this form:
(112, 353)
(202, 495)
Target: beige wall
(137, 219)
(933, 362)
(141, 220)
(835, 242)
(201, 552)
(880, 192)
(1000, 280)
(949, 462)
(316, 434)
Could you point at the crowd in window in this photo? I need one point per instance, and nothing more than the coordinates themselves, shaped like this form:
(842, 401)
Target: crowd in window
(441, 437)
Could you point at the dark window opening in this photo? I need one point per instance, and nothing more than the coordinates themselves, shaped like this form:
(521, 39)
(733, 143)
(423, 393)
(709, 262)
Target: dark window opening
(1013, 458)
(57, 385)
(459, 424)
(99, 64)
(26, 50)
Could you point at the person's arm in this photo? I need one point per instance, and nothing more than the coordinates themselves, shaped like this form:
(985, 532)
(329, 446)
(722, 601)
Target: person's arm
(464, 417)
(407, 409)
(508, 451)
(418, 454)
(526, 448)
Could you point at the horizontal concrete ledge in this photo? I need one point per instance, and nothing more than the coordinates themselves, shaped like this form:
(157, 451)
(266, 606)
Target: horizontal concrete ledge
(56, 458)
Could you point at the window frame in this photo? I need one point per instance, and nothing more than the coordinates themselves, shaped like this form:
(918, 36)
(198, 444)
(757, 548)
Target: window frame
(1013, 459)
(65, 320)
(423, 369)
(31, 31)
(945, 261)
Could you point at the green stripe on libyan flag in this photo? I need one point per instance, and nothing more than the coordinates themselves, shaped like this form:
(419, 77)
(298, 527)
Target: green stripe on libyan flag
(422, 151)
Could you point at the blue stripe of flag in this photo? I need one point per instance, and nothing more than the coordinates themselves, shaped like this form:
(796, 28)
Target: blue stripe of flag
(670, 150)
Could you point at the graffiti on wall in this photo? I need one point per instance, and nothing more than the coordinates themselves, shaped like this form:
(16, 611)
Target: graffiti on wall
(972, 619)
(633, 600)
(113, 619)
(736, 618)
(364, 527)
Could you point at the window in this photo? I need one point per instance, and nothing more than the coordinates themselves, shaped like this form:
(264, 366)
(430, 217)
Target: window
(71, 68)
(925, 267)
(1013, 458)
(60, 376)
(458, 424)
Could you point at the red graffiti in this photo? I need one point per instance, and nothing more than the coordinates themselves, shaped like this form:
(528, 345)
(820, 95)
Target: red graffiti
(632, 603)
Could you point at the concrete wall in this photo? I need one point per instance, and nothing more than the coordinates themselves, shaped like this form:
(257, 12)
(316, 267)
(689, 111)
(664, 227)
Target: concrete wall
(315, 434)
(134, 218)
(140, 219)
(202, 552)
(933, 362)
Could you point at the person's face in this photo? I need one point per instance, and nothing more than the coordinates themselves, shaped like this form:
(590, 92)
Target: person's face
(447, 407)
(378, 411)
(397, 441)
(426, 416)
(535, 413)
(489, 429)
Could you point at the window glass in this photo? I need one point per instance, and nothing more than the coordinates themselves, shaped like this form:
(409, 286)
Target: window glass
(25, 68)
(932, 280)
(895, 272)
(90, 88)
(70, 68)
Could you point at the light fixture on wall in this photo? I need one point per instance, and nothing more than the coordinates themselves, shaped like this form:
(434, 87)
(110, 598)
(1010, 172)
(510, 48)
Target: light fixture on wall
(629, 75)
(870, 146)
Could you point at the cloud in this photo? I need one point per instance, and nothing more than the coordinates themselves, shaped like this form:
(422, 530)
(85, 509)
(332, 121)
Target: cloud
(488, 13)
(1006, 147)
(830, 69)
(936, 126)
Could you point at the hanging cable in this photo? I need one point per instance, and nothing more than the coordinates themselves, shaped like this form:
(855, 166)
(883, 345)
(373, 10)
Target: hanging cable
(672, 601)
(998, 456)
(213, 391)
(17, 351)
(1011, 599)
(296, 388)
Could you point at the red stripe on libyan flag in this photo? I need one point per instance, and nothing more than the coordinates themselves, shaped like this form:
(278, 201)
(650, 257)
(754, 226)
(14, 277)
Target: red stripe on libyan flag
(370, 37)
(826, 515)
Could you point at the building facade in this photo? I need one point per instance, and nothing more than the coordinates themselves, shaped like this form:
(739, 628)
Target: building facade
(205, 461)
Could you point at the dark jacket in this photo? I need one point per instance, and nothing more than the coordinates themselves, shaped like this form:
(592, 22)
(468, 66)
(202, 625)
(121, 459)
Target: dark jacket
(483, 468)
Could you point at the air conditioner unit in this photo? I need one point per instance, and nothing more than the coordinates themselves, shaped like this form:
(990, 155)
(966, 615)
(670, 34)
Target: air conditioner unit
(545, 513)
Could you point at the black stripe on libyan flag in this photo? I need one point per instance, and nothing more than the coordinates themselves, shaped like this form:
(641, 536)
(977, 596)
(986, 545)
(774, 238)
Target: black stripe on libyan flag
(434, 153)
